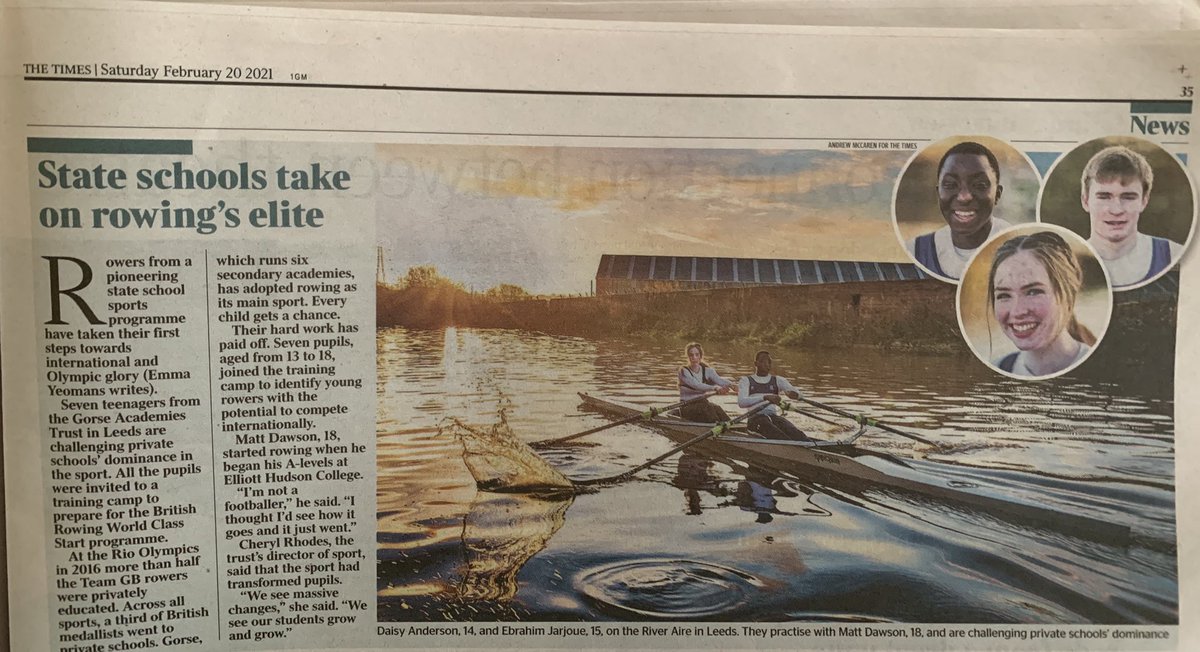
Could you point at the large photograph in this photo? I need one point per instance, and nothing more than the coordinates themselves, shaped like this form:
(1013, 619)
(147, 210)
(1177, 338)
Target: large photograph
(633, 384)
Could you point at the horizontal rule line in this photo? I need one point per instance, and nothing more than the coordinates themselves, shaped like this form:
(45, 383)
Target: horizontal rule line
(570, 93)
(472, 133)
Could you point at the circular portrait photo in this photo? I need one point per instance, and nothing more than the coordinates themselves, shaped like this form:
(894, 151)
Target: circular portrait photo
(1132, 200)
(958, 193)
(1034, 302)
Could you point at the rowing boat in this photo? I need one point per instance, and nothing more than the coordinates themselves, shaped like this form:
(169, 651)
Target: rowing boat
(842, 460)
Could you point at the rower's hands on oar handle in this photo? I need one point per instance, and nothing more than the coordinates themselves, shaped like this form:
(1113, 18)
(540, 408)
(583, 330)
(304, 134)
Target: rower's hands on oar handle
(776, 398)
(728, 389)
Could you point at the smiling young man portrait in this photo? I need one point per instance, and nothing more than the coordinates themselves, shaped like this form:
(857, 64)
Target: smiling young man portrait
(968, 190)
(1116, 190)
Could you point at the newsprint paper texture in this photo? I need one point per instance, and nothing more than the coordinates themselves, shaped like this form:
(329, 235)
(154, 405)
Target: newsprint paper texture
(302, 311)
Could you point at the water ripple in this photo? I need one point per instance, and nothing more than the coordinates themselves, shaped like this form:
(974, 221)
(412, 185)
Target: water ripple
(668, 588)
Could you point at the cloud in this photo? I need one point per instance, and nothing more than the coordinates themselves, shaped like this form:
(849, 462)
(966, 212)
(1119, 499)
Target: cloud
(541, 217)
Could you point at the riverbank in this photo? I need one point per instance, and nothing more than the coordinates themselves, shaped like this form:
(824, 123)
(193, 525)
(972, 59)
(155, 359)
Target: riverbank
(911, 315)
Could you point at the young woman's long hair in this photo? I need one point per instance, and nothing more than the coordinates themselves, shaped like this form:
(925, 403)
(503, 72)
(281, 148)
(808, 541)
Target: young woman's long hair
(1063, 268)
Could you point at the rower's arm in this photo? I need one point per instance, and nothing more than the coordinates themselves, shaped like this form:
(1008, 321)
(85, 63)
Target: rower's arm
(745, 398)
(785, 387)
(718, 380)
(685, 379)
(689, 381)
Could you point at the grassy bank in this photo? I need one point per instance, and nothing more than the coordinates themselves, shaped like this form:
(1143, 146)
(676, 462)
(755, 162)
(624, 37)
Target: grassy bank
(917, 315)
(1138, 350)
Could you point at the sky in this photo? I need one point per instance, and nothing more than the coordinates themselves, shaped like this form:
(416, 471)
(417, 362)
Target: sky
(541, 217)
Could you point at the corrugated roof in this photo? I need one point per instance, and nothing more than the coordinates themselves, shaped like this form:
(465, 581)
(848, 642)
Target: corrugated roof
(756, 271)
(775, 271)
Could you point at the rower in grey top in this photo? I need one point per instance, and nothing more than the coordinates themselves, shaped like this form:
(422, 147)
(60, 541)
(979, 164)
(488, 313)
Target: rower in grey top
(697, 379)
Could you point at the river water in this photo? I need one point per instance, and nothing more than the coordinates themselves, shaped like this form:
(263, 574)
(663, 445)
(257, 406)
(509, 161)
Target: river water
(702, 537)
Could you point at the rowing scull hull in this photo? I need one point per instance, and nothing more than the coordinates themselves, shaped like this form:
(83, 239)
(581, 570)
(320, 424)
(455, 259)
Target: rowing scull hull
(846, 461)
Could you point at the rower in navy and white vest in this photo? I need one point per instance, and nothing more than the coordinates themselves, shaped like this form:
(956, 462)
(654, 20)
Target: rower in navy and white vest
(697, 379)
(1116, 191)
(764, 386)
(968, 191)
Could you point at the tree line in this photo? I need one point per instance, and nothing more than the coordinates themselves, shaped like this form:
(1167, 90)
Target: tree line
(427, 277)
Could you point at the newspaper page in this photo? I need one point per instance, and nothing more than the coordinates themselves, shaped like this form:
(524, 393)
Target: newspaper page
(336, 330)
(1000, 14)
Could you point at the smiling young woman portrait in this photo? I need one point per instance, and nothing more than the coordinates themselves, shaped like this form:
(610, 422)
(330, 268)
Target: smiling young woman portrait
(1034, 302)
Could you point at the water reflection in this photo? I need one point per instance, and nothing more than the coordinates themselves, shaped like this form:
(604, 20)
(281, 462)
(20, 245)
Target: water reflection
(500, 533)
(693, 476)
(754, 497)
(753, 490)
(801, 547)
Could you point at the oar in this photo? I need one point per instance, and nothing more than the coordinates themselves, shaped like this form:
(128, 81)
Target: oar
(716, 430)
(864, 420)
(648, 414)
(810, 415)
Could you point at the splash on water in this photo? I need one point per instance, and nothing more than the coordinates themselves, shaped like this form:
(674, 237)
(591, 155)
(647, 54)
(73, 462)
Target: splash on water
(500, 462)
(522, 503)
